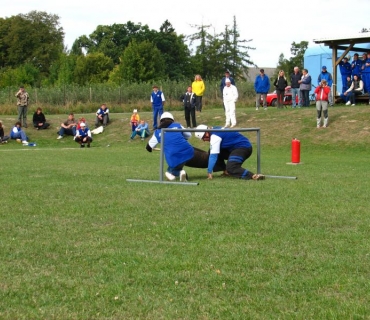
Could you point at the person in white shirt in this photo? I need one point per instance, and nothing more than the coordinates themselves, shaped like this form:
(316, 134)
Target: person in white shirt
(230, 96)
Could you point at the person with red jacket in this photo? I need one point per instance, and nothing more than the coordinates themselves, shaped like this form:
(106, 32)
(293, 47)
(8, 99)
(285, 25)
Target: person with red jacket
(322, 92)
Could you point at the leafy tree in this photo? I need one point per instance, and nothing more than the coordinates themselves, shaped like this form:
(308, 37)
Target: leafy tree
(92, 68)
(140, 62)
(26, 74)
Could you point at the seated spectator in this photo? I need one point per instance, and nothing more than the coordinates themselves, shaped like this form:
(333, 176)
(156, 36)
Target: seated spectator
(142, 130)
(18, 134)
(344, 97)
(102, 116)
(3, 137)
(83, 135)
(134, 120)
(356, 89)
(68, 127)
(39, 121)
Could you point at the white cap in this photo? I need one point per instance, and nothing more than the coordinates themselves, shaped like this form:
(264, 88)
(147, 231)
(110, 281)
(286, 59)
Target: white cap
(227, 80)
(200, 135)
(135, 111)
(82, 124)
(167, 115)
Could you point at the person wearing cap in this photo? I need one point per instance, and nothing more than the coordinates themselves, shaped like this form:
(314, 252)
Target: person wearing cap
(356, 65)
(134, 121)
(305, 85)
(157, 99)
(231, 146)
(262, 87)
(178, 151)
(223, 82)
(230, 96)
(345, 71)
(324, 74)
(102, 116)
(83, 135)
(22, 105)
(198, 87)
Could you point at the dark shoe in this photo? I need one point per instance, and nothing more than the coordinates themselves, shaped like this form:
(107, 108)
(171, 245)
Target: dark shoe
(88, 145)
(82, 146)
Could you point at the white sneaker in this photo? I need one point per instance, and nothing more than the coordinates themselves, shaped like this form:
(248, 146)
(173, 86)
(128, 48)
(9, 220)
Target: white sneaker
(60, 137)
(233, 126)
(24, 142)
(352, 104)
(348, 103)
(170, 176)
(183, 176)
(256, 108)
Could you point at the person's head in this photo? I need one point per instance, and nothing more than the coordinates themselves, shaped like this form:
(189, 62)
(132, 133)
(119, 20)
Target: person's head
(324, 83)
(189, 89)
(281, 73)
(348, 78)
(166, 119)
(155, 88)
(18, 124)
(71, 116)
(227, 82)
(345, 59)
(368, 55)
(21, 88)
(227, 74)
(103, 106)
(262, 72)
(364, 56)
(38, 110)
(202, 135)
(355, 56)
(142, 122)
(198, 77)
(83, 125)
(134, 111)
(1, 124)
(304, 71)
(323, 69)
(356, 77)
(81, 120)
(296, 69)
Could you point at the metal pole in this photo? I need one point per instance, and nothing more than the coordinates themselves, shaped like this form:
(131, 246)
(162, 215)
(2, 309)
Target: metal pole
(258, 151)
(165, 182)
(281, 177)
(161, 159)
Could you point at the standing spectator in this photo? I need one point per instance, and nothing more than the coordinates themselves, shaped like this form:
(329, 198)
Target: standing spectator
(198, 88)
(325, 75)
(366, 74)
(280, 84)
(18, 134)
(39, 121)
(157, 99)
(22, 105)
(142, 130)
(223, 82)
(305, 87)
(363, 61)
(356, 65)
(134, 121)
(356, 88)
(294, 80)
(189, 100)
(3, 137)
(83, 135)
(322, 98)
(345, 71)
(230, 146)
(102, 116)
(68, 127)
(230, 96)
(262, 87)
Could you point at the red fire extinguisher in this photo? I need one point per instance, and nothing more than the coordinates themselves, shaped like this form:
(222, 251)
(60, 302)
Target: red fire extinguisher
(296, 151)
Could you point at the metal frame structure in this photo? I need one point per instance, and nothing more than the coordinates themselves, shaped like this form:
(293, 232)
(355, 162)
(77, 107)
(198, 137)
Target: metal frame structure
(161, 160)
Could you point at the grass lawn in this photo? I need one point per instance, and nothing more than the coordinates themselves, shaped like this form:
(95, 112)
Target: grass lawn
(80, 242)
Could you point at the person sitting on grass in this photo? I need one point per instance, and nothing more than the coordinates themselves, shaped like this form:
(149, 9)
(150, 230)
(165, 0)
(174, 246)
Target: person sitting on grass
(68, 127)
(142, 130)
(134, 121)
(18, 134)
(3, 137)
(102, 116)
(39, 121)
(83, 135)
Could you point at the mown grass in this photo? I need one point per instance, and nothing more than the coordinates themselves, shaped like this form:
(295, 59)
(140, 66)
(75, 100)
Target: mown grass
(80, 242)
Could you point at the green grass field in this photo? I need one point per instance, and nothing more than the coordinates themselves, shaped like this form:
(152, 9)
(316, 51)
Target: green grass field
(80, 242)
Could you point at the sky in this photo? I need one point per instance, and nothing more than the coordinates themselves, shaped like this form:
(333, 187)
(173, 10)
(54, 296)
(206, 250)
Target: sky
(271, 25)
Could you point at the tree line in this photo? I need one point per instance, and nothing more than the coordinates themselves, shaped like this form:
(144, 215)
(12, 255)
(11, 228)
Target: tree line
(32, 53)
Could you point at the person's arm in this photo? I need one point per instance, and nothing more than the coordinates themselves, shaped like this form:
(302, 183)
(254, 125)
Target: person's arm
(152, 143)
(236, 94)
(215, 145)
(361, 86)
(163, 99)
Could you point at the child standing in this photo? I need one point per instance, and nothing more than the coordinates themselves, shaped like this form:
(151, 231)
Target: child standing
(134, 121)
(322, 92)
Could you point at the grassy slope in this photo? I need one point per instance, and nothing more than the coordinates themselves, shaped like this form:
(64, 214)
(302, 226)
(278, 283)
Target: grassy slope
(78, 241)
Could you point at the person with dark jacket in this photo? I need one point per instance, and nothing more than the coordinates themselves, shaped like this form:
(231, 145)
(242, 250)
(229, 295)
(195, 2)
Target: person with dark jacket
(39, 121)
(280, 84)
(262, 87)
(294, 78)
(188, 99)
(305, 87)
(345, 71)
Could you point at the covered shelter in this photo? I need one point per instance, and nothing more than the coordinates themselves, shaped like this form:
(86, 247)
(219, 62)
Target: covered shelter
(344, 46)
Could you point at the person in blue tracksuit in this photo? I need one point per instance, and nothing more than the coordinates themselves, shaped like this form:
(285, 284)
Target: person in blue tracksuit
(262, 87)
(365, 74)
(157, 99)
(325, 75)
(345, 71)
(356, 65)
(231, 146)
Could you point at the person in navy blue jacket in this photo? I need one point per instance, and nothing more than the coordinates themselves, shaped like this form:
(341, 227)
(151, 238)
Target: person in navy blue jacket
(83, 135)
(325, 75)
(157, 99)
(102, 116)
(356, 65)
(231, 146)
(262, 87)
(345, 71)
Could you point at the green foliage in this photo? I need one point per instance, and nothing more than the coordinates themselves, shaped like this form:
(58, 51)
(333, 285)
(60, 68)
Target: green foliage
(92, 68)
(26, 74)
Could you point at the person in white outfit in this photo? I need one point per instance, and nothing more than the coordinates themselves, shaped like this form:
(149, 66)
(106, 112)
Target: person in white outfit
(230, 96)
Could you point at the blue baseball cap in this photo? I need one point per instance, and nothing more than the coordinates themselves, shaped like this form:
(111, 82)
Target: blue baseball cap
(323, 67)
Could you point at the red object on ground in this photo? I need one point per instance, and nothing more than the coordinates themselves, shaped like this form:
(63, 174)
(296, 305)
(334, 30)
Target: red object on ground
(296, 151)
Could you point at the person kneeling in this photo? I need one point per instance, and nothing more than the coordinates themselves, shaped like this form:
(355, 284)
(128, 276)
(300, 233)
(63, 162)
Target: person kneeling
(83, 135)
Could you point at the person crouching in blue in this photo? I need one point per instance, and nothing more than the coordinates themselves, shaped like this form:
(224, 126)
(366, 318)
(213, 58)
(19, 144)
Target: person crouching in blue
(231, 146)
(83, 135)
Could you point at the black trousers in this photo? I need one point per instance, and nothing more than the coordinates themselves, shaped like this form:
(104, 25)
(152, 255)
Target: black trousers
(190, 113)
(235, 159)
